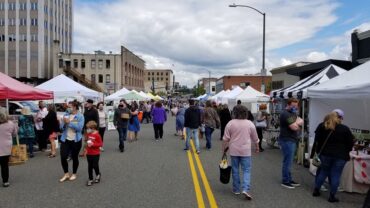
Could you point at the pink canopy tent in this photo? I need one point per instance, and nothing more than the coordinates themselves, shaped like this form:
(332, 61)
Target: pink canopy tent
(11, 89)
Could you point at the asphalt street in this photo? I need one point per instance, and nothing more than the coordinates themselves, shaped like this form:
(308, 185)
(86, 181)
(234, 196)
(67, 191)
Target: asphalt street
(160, 174)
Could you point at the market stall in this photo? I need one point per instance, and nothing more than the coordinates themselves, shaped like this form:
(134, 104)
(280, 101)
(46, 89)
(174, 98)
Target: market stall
(65, 89)
(349, 92)
(116, 95)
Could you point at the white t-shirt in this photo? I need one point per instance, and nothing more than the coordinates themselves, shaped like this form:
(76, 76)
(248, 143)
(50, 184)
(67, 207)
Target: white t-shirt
(102, 119)
(71, 133)
(40, 115)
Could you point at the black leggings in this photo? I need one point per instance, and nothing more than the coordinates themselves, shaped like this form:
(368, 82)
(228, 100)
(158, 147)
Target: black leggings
(93, 164)
(4, 163)
(101, 132)
(158, 131)
(260, 136)
(70, 148)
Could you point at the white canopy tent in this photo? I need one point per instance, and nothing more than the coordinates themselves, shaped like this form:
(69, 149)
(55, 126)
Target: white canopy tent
(214, 97)
(251, 98)
(231, 95)
(350, 92)
(116, 95)
(65, 89)
(299, 89)
(144, 95)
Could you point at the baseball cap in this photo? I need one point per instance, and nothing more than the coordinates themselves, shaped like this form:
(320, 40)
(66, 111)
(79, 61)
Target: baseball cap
(339, 112)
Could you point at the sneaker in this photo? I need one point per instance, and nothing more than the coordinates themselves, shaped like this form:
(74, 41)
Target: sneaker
(73, 177)
(316, 192)
(287, 185)
(247, 195)
(156, 140)
(64, 178)
(97, 179)
(340, 189)
(295, 184)
(89, 183)
(198, 152)
(6, 184)
(236, 192)
(186, 149)
(333, 199)
(31, 155)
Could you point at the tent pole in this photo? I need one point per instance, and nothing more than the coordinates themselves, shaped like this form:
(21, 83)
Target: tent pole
(7, 105)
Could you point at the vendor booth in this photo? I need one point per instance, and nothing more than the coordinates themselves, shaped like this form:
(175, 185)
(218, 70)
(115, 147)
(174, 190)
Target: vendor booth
(351, 93)
(116, 95)
(66, 89)
(231, 95)
(12, 89)
(299, 91)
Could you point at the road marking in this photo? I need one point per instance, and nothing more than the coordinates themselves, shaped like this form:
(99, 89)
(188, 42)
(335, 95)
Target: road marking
(211, 198)
(198, 191)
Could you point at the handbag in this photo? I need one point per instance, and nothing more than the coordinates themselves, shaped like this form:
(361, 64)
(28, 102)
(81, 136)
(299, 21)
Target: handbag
(316, 158)
(261, 124)
(18, 154)
(225, 169)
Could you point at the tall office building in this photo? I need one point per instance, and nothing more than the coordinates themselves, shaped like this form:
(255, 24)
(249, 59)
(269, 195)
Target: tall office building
(27, 31)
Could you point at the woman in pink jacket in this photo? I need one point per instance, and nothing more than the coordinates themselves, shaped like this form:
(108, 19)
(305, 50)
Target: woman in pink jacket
(7, 130)
(239, 135)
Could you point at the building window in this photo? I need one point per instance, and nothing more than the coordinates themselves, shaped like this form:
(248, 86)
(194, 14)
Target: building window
(166, 73)
(33, 5)
(2, 6)
(22, 21)
(107, 78)
(100, 64)
(157, 78)
(60, 63)
(2, 22)
(166, 79)
(46, 24)
(11, 22)
(93, 63)
(34, 22)
(107, 64)
(148, 78)
(46, 9)
(213, 89)
(82, 63)
(148, 73)
(93, 78)
(100, 77)
(157, 73)
(11, 37)
(34, 38)
(161, 78)
(23, 37)
(153, 73)
(277, 85)
(2, 38)
(23, 6)
(12, 6)
(75, 63)
(161, 73)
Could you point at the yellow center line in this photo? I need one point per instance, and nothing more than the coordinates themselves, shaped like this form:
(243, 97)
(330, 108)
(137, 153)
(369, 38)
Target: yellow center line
(198, 191)
(211, 198)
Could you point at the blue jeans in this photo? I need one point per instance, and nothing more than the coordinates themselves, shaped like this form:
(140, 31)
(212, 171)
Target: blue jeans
(288, 148)
(122, 135)
(245, 163)
(330, 167)
(192, 133)
(208, 134)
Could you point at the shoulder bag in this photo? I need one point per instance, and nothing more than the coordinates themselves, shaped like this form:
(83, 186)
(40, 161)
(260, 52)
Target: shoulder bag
(316, 158)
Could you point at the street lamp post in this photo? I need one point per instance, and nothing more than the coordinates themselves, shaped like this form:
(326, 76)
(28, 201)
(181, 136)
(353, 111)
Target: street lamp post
(263, 70)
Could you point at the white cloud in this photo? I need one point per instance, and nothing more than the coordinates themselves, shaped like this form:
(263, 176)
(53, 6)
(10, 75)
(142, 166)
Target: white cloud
(198, 34)
(316, 56)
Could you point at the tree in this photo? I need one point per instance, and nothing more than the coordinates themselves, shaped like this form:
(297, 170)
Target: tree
(197, 91)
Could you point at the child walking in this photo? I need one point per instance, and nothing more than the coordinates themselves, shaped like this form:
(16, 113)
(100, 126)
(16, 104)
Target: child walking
(94, 142)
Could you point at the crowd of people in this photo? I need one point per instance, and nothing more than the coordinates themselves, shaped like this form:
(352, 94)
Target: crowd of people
(241, 132)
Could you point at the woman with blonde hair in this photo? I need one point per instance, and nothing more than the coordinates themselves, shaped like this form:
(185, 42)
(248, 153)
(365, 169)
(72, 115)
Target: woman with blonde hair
(26, 130)
(333, 142)
(7, 130)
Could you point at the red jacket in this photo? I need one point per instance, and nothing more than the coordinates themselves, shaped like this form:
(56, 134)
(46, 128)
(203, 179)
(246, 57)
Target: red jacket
(96, 143)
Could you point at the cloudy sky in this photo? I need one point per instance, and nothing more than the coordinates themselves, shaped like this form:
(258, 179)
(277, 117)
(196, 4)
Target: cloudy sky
(193, 36)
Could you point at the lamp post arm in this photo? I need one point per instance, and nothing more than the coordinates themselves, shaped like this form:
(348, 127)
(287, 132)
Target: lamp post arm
(239, 5)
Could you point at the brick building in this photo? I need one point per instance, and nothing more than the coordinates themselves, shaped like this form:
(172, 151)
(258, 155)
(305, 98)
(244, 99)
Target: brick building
(255, 81)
